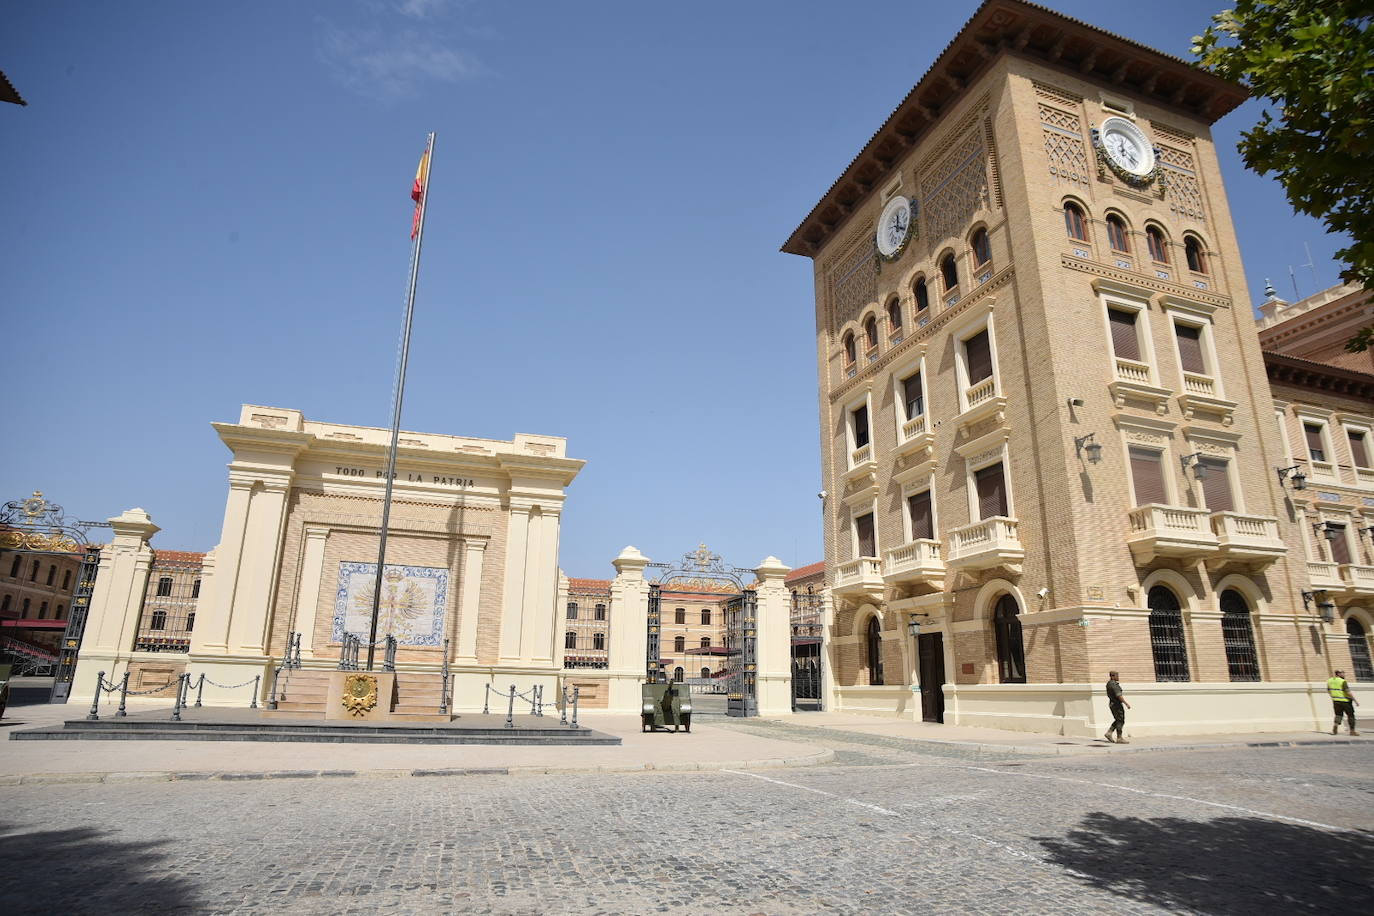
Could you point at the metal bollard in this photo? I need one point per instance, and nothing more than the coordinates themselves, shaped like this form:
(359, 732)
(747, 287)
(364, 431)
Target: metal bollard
(257, 684)
(123, 695)
(563, 707)
(200, 689)
(486, 697)
(272, 699)
(510, 710)
(176, 708)
(94, 714)
(576, 690)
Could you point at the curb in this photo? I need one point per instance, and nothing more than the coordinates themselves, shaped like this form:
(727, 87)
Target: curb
(49, 779)
(1073, 750)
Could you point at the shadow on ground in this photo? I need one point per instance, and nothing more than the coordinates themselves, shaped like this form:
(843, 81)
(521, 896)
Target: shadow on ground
(1232, 865)
(81, 870)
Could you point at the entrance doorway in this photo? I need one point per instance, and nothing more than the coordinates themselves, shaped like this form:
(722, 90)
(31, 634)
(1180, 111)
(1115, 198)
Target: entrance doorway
(930, 652)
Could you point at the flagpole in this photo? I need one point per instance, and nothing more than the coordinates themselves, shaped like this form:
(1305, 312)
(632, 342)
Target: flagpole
(396, 407)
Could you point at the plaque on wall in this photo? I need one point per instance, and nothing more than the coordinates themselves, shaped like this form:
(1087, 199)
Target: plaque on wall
(411, 608)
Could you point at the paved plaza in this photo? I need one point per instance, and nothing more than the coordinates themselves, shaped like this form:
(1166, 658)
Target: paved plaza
(887, 825)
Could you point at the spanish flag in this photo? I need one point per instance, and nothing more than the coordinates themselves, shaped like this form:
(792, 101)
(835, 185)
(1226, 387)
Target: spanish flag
(417, 193)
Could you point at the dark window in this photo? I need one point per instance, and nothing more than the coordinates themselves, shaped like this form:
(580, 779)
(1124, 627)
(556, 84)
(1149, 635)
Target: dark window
(1125, 341)
(705, 672)
(705, 642)
(868, 543)
(679, 643)
(570, 640)
(873, 652)
(1358, 449)
(600, 612)
(894, 317)
(1242, 661)
(66, 579)
(1011, 653)
(190, 621)
(850, 354)
(5, 604)
(1147, 476)
(680, 615)
(572, 610)
(164, 586)
(1216, 486)
(913, 397)
(1340, 548)
(991, 484)
(195, 589)
(1159, 249)
(860, 416)
(43, 611)
(159, 621)
(949, 273)
(52, 574)
(1189, 339)
(1166, 635)
(598, 640)
(922, 524)
(922, 295)
(33, 572)
(14, 567)
(1192, 251)
(1359, 650)
(706, 617)
(982, 248)
(24, 610)
(1074, 223)
(1116, 234)
(1315, 449)
(978, 357)
(871, 332)
(62, 613)
(678, 674)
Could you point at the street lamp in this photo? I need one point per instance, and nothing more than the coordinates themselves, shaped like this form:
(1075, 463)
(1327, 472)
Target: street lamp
(1086, 443)
(1195, 461)
(1325, 607)
(1299, 479)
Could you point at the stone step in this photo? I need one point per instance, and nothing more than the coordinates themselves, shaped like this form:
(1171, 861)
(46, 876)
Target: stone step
(510, 737)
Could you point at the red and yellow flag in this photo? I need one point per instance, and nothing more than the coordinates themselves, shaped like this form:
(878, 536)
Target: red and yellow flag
(417, 193)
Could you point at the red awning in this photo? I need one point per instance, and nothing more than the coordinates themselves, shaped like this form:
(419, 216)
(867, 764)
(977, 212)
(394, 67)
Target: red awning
(29, 623)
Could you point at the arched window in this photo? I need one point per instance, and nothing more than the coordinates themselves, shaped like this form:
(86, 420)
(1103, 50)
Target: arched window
(1237, 634)
(33, 573)
(598, 640)
(982, 248)
(679, 643)
(1116, 233)
(922, 295)
(949, 273)
(195, 589)
(164, 586)
(62, 613)
(1074, 223)
(706, 616)
(1166, 635)
(570, 640)
(600, 612)
(873, 652)
(1192, 251)
(67, 579)
(572, 610)
(1011, 650)
(14, 567)
(24, 610)
(871, 333)
(678, 674)
(43, 611)
(5, 604)
(894, 317)
(1154, 240)
(705, 672)
(706, 642)
(1359, 650)
(680, 615)
(190, 621)
(52, 573)
(159, 621)
(851, 355)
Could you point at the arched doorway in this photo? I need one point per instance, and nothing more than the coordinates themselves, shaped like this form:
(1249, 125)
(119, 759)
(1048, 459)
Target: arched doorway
(873, 651)
(1011, 651)
(1167, 644)
(1359, 650)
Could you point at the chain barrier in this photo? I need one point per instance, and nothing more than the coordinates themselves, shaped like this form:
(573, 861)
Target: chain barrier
(100, 687)
(290, 662)
(569, 700)
(443, 688)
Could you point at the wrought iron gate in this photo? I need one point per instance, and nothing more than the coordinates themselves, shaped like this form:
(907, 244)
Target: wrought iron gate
(741, 640)
(806, 667)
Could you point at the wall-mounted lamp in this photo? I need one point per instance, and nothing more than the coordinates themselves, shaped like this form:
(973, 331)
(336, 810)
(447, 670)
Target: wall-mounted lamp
(1086, 444)
(913, 624)
(1195, 462)
(1326, 530)
(1299, 479)
(1325, 607)
(1369, 532)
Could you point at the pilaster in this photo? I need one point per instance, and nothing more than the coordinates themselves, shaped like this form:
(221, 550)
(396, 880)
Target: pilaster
(473, 552)
(308, 593)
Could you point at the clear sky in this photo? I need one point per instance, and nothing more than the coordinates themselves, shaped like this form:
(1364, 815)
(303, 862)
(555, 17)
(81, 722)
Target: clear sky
(207, 204)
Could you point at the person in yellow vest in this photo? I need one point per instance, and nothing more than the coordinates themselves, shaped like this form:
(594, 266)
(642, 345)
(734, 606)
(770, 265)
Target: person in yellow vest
(1342, 701)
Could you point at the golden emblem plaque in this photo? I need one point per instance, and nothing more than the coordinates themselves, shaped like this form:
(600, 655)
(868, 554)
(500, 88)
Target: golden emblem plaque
(360, 693)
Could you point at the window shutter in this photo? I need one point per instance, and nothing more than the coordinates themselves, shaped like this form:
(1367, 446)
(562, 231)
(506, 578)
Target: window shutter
(1340, 549)
(1216, 486)
(922, 524)
(1190, 348)
(1358, 450)
(1125, 344)
(992, 491)
(861, 427)
(868, 545)
(1147, 474)
(911, 395)
(979, 357)
(1314, 442)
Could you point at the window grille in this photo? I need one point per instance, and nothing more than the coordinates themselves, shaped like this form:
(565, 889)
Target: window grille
(1359, 650)
(585, 636)
(572, 610)
(1166, 636)
(164, 586)
(1238, 635)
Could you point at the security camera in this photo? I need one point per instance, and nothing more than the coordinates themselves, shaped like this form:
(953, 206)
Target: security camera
(1042, 593)
(822, 495)
(1075, 402)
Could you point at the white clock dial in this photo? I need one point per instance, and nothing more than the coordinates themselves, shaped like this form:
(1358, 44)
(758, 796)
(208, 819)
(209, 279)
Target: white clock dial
(1127, 146)
(894, 226)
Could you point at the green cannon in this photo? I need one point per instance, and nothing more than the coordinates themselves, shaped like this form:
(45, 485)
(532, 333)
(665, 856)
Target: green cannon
(666, 703)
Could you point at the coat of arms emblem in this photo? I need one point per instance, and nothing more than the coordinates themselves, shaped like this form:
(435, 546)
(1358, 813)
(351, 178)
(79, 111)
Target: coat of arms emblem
(360, 693)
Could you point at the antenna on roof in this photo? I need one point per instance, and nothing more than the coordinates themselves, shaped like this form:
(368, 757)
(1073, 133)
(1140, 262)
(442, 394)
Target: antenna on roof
(1294, 277)
(1315, 285)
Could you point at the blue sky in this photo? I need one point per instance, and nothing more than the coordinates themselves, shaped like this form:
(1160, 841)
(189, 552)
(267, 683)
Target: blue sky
(207, 204)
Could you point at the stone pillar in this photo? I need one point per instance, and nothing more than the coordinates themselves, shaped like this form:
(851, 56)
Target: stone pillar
(116, 603)
(541, 588)
(629, 613)
(828, 696)
(473, 551)
(774, 639)
(308, 593)
(513, 596)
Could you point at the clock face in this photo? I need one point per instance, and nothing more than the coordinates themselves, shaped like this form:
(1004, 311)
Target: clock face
(1126, 146)
(894, 226)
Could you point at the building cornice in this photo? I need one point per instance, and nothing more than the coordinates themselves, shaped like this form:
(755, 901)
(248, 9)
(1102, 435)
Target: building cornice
(1303, 373)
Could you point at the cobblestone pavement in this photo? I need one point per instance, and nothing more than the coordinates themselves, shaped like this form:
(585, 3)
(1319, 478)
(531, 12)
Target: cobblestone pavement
(891, 828)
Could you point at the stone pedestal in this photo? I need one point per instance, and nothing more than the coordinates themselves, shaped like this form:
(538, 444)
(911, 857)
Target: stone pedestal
(380, 708)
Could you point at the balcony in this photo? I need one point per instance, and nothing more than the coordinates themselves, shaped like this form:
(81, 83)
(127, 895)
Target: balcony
(914, 437)
(916, 562)
(861, 577)
(1358, 580)
(1247, 539)
(1325, 576)
(988, 544)
(1202, 398)
(1133, 383)
(1170, 531)
(862, 464)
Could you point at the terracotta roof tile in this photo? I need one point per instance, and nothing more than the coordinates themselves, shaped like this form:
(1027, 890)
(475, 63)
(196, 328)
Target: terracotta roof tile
(802, 572)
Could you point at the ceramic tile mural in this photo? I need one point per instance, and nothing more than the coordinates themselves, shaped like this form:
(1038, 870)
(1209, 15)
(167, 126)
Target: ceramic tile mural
(411, 609)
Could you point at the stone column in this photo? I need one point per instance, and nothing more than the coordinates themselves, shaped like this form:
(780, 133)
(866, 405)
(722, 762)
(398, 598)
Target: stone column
(828, 703)
(116, 603)
(473, 551)
(629, 641)
(308, 593)
(541, 589)
(513, 595)
(774, 639)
